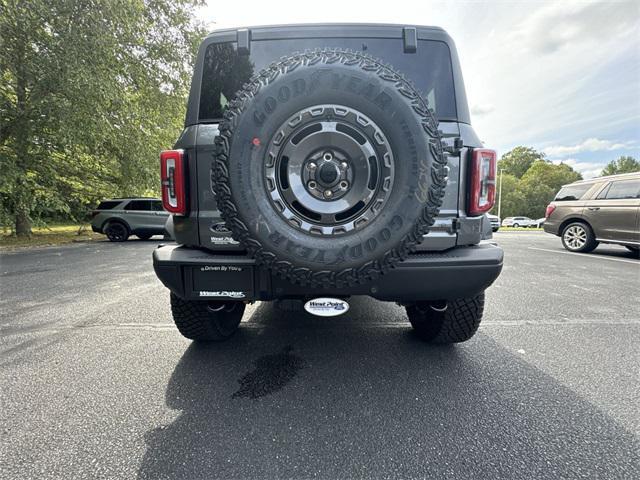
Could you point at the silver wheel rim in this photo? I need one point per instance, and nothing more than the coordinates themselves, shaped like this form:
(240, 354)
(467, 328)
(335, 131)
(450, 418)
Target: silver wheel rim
(575, 237)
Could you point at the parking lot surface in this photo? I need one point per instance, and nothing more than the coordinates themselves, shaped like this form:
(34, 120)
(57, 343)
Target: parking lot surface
(95, 382)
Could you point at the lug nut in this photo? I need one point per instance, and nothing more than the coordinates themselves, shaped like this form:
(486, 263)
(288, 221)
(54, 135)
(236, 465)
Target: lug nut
(344, 185)
(344, 165)
(311, 185)
(312, 166)
(328, 156)
(328, 193)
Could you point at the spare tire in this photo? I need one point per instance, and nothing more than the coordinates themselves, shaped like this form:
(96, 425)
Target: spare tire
(329, 167)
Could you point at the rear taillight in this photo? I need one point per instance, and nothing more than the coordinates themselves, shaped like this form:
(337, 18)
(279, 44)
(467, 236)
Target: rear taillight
(549, 211)
(172, 175)
(483, 181)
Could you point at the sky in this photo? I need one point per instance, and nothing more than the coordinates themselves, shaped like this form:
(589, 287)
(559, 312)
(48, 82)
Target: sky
(560, 76)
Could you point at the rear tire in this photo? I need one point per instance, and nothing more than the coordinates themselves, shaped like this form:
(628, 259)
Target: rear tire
(516, 225)
(206, 321)
(447, 322)
(116, 231)
(578, 237)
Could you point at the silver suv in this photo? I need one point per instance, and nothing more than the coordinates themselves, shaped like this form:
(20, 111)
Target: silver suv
(120, 217)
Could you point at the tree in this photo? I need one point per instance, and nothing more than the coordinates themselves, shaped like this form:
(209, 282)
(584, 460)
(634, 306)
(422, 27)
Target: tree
(549, 174)
(517, 161)
(623, 164)
(530, 195)
(90, 91)
(511, 203)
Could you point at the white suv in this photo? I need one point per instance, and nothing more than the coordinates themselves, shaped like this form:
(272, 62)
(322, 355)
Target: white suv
(518, 222)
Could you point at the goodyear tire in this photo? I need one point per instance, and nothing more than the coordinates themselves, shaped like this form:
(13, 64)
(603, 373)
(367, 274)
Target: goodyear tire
(329, 168)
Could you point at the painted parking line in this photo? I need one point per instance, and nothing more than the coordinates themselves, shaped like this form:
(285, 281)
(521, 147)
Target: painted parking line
(624, 260)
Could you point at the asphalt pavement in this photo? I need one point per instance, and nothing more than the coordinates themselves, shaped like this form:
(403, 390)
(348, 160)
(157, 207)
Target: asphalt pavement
(96, 382)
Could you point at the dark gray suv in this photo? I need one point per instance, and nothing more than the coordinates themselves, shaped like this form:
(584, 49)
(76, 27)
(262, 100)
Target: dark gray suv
(119, 218)
(320, 162)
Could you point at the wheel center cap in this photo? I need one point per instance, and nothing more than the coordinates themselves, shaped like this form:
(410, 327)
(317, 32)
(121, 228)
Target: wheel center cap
(328, 173)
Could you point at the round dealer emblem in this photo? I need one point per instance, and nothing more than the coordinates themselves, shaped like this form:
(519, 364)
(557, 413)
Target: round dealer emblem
(326, 307)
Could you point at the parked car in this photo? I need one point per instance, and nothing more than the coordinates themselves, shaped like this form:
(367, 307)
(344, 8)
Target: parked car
(538, 223)
(518, 222)
(495, 222)
(600, 210)
(119, 218)
(329, 168)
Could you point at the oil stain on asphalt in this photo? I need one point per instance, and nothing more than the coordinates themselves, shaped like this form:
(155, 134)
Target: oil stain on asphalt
(271, 373)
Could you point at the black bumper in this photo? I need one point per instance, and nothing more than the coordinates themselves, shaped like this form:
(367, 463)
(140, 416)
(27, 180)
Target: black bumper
(202, 275)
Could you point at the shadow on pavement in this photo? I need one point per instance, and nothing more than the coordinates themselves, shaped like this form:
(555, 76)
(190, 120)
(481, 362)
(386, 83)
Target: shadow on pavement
(619, 252)
(370, 400)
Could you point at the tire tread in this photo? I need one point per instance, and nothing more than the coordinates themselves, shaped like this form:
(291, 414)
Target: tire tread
(196, 322)
(458, 323)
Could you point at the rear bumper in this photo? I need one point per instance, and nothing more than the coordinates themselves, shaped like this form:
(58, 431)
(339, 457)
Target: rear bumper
(551, 227)
(202, 275)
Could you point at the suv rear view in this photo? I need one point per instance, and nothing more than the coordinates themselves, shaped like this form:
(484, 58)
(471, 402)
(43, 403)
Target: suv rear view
(324, 161)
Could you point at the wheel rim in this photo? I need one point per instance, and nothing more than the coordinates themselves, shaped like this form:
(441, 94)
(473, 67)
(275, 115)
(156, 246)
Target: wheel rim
(329, 170)
(575, 237)
(116, 232)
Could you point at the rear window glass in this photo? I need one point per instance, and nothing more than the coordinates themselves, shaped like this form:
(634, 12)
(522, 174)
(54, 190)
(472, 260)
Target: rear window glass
(572, 192)
(224, 71)
(623, 189)
(139, 205)
(108, 205)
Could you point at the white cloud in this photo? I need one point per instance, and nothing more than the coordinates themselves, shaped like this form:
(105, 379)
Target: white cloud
(482, 108)
(563, 23)
(586, 169)
(589, 145)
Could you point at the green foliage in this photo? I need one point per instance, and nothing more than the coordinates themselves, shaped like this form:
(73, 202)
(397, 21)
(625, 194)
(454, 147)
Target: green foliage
(549, 174)
(90, 91)
(511, 200)
(623, 164)
(517, 161)
(530, 194)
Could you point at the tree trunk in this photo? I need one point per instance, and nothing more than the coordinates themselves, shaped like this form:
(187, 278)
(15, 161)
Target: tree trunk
(23, 223)
(22, 193)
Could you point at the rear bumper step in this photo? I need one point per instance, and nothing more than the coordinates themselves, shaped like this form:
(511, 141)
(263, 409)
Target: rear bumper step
(203, 275)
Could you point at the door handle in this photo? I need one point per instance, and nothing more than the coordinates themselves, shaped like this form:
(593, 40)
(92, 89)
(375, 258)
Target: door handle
(593, 208)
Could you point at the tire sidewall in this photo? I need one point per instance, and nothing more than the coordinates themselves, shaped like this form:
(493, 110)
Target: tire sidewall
(335, 84)
(588, 242)
(121, 225)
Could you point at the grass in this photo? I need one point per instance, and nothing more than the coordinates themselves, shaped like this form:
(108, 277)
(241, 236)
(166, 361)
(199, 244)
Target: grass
(49, 235)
